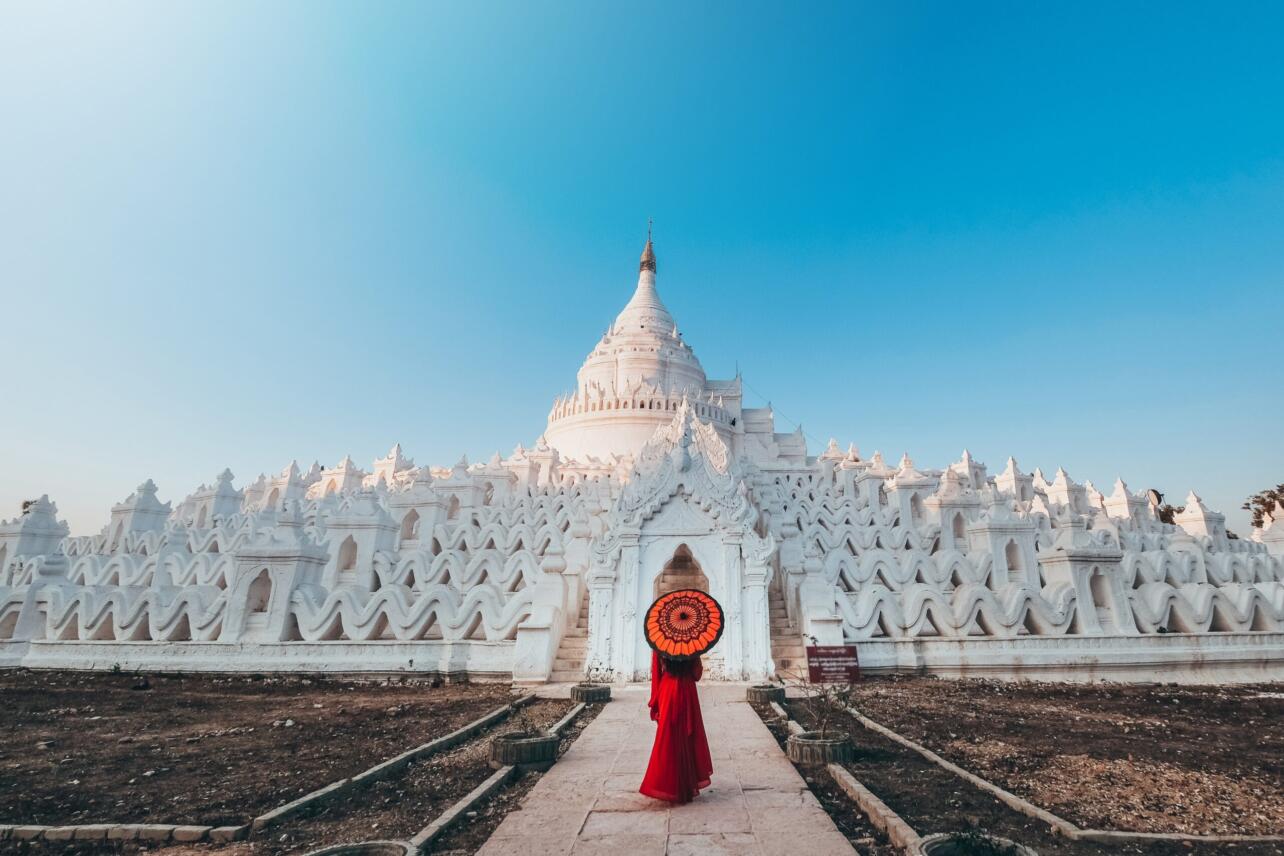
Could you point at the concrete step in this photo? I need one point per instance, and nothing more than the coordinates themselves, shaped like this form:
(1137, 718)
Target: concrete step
(568, 664)
(566, 676)
(576, 633)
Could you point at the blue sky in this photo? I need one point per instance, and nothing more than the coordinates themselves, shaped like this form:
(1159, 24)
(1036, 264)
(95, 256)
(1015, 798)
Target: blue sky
(233, 234)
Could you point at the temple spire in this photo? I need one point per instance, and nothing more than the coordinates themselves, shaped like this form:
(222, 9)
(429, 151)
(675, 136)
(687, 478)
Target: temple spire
(648, 252)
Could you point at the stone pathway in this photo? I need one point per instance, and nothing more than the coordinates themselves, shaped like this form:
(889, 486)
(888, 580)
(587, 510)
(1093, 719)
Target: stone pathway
(588, 803)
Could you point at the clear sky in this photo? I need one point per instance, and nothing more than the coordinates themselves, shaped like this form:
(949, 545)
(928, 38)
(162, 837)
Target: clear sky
(233, 234)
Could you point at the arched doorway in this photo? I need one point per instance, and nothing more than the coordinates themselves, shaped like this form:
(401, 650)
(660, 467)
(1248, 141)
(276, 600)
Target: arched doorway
(258, 600)
(680, 572)
(1099, 589)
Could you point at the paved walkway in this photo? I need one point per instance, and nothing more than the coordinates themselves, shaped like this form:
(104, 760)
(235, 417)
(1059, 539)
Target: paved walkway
(588, 802)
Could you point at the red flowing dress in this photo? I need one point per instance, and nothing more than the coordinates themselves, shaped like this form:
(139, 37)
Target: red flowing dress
(680, 764)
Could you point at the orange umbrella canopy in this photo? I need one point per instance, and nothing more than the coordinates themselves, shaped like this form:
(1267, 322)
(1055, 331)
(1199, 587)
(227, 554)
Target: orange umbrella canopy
(683, 624)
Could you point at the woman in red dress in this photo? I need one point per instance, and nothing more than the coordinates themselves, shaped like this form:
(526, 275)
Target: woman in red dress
(680, 764)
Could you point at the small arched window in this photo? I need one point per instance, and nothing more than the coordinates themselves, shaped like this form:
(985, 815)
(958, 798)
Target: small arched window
(348, 554)
(410, 526)
(1012, 553)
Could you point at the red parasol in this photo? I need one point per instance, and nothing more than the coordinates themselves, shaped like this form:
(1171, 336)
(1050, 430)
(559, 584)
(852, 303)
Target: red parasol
(683, 624)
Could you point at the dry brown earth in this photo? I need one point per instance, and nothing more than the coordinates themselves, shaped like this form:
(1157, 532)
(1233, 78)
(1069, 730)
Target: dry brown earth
(100, 747)
(1196, 760)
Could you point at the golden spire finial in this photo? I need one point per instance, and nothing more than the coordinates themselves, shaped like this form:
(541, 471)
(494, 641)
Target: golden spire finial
(648, 252)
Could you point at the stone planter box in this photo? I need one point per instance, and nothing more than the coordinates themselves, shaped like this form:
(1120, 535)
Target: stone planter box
(808, 747)
(524, 750)
(591, 693)
(369, 848)
(956, 844)
(765, 694)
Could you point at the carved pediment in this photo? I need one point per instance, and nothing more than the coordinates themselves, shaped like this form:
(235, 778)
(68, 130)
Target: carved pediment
(686, 484)
(679, 517)
(686, 456)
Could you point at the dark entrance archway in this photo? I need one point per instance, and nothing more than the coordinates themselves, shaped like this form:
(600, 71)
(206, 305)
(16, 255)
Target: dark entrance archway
(682, 571)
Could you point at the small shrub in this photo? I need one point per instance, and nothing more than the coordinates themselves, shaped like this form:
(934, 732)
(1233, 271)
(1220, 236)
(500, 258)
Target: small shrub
(823, 701)
(520, 722)
(598, 674)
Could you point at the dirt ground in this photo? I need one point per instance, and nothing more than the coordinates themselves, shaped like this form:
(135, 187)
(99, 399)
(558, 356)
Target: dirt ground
(395, 808)
(944, 714)
(399, 807)
(205, 750)
(1198, 760)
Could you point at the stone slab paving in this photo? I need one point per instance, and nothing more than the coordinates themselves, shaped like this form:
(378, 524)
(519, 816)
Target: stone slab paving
(588, 803)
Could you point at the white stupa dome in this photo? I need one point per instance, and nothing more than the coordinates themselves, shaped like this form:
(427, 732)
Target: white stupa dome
(631, 382)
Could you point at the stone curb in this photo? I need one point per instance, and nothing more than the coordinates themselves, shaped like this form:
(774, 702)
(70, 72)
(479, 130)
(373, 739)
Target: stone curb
(429, 833)
(1058, 824)
(158, 832)
(778, 710)
(90, 832)
(26, 832)
(385, 768)
(1108, 836)
(223, 834)
(898, 832)
(568, 719)
(185, 834)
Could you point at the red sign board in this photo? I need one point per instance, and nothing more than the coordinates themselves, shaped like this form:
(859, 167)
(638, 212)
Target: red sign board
(832, 664)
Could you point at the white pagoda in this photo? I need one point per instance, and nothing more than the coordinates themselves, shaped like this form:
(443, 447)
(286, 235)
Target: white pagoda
(648, 476)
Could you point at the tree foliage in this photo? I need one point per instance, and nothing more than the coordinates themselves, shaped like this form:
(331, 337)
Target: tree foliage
(1260, 504)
